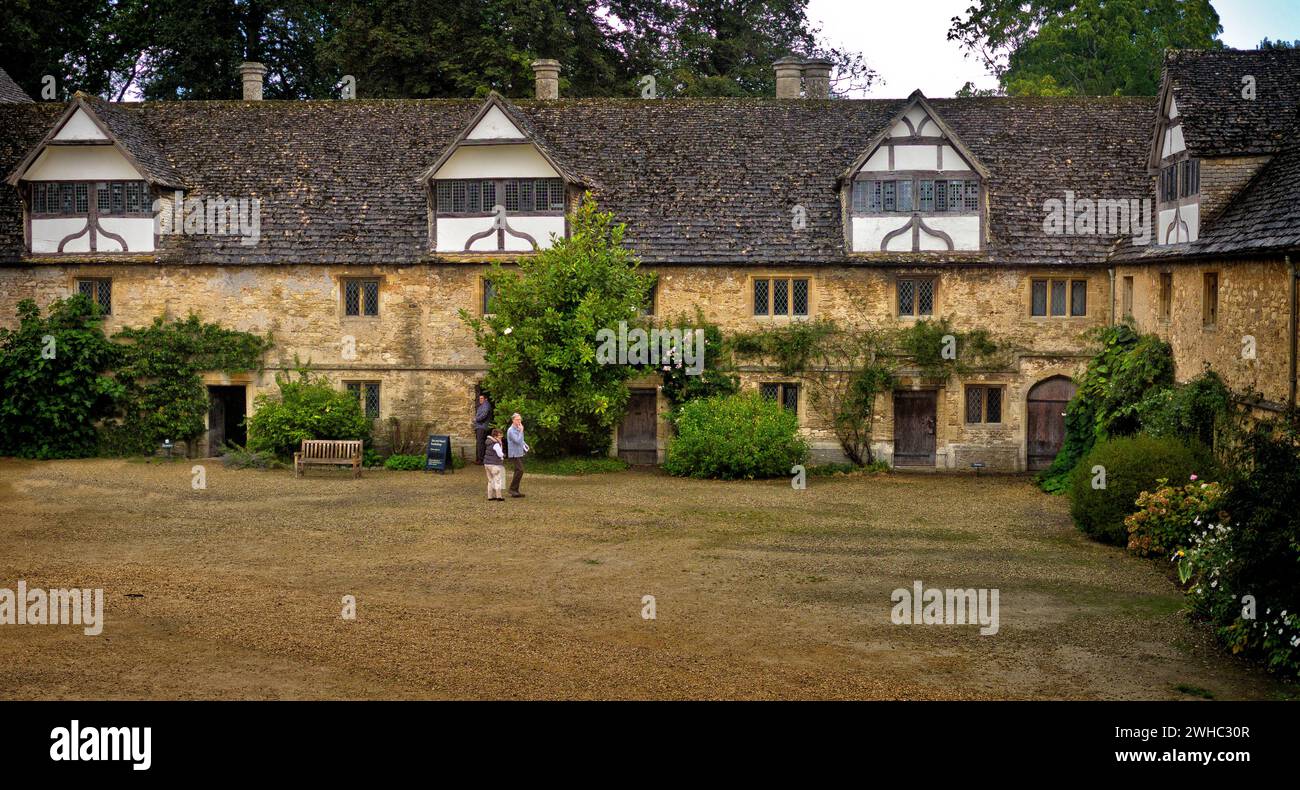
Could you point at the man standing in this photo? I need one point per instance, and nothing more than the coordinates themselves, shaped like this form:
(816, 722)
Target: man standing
(518, 449)
(482, 424)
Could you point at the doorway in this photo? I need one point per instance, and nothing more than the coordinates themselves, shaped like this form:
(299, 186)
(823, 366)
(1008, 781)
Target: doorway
(1045, 423)
(638, 436)
(226, 410)
(914, 427)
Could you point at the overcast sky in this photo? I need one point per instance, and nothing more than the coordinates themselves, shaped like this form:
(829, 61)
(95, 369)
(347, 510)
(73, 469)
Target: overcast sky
(907, 43)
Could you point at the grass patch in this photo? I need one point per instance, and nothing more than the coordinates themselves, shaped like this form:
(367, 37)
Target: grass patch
(827, 470)
(1194, 691)
(573, 466)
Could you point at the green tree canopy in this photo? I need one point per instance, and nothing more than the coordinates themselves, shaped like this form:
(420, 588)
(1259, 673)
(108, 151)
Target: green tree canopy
(1083, 47)
(191, 49)
(540, 342)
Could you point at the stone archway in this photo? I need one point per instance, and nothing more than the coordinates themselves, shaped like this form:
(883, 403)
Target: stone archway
(1045, 420)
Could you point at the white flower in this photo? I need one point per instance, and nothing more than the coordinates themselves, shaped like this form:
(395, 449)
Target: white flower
(509, 329)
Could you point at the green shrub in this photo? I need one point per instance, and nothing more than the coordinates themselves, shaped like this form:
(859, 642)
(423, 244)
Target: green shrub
(1169, 515)
(404, 463)
(541, 340)
(1124, 373)
(237, 457)
(1195, 409)
(1256, 551)
(735, 436)
(306, 408)
(52, 382)
(1131, 465)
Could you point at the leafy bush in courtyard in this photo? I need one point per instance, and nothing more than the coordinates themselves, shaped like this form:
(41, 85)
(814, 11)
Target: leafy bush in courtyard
(52, 382)
(1197, 409)
(1170, 514)
(404, 463)
(237, 457)
(540, 342)
(735, 436)
(1131, 465)
(305, 408)
(1128, 368)
(1256, 551)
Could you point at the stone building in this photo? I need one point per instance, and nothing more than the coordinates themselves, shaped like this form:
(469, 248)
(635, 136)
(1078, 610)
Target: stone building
(356, 230)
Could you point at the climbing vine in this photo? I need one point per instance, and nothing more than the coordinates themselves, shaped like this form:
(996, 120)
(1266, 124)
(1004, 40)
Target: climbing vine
(163, 393)
(845, 370)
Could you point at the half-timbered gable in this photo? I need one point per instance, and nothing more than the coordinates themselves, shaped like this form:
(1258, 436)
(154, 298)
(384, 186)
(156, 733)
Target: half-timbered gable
(89, 186)
(916, 189)
(497, 187)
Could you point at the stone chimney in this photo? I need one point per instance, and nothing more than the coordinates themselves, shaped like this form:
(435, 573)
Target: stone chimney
(816, 78)
(789, 72)
(547, 73)
(251, 74)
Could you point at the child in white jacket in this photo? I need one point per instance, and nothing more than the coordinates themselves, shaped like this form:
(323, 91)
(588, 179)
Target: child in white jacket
(494, 465)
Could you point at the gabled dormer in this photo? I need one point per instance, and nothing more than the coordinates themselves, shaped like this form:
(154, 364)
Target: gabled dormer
(89, 186)
(916, 188)
(1178, 183)
(498, 187)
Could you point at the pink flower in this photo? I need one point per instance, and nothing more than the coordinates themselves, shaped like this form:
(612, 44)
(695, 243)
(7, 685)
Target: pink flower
(1193, 477)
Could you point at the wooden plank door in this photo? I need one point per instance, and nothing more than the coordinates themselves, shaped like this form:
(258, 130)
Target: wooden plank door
(1045, 421)
(914, 428)
(638, 436)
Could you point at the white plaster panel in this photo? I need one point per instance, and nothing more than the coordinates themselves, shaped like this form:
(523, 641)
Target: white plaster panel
(953, 160)
(496, 161)
(453, 232)
(879, 161)
(914, 157)
(1173, 108)
(964, 230)
(868, 231)
(47, 233)
(76, 163)
(80, 127)
(495, 125)
(1176, 143)
(138, 232)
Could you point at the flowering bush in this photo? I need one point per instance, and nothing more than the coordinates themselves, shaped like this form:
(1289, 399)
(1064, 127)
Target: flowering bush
(1169, 515)
(1244, 570)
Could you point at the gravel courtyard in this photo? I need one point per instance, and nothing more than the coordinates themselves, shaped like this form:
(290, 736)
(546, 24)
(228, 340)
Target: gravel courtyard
(761, 591)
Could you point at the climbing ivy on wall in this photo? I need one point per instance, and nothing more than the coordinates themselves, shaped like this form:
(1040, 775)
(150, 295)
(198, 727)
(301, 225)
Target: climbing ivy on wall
(160, 370)
(846, 369)
(68, 391)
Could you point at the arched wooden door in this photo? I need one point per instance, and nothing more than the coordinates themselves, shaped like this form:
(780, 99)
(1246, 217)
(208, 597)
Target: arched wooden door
(1045, 429)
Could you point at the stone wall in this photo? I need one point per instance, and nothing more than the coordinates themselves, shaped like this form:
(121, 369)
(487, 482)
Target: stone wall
(427, 364)
(1253, 304)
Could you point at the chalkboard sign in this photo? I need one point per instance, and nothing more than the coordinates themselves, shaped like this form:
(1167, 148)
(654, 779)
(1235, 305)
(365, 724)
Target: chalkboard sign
(437, 455)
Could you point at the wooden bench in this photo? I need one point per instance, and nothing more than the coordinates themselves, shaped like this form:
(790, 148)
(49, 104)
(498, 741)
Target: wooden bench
(328, 452)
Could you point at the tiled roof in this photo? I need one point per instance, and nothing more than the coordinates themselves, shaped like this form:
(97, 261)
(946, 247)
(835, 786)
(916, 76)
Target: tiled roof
(10, 91)
(1218, 119)
(696, 180)
(1264, 217)
(133, 133)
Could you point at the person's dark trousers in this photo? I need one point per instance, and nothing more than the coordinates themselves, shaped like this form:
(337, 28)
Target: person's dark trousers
(518, 463)
(480, 441)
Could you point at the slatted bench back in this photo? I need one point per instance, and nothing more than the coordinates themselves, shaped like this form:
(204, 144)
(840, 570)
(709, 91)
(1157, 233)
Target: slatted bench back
(331, 449)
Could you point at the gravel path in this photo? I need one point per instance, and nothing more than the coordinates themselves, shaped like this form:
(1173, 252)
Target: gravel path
(235, 591)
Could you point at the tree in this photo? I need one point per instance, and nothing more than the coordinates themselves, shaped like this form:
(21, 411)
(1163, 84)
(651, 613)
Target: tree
(1279, 44)
(1088, 47)
(52, 383)
(191, 49)
(540, 342)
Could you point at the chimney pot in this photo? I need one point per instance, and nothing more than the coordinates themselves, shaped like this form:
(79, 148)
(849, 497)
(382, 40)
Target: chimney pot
(789, 71)
(547, 73)
(817, 78)
(251, 74)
